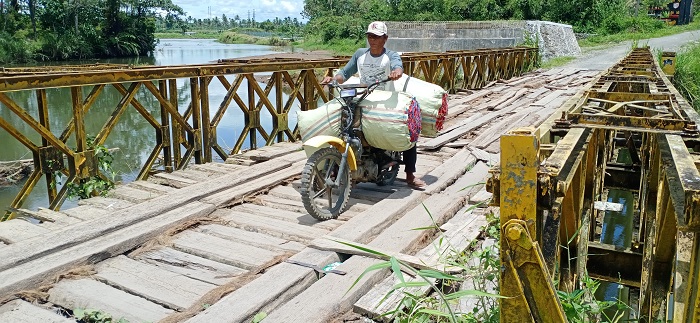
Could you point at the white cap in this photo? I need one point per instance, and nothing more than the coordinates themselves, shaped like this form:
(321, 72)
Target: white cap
(378, 28)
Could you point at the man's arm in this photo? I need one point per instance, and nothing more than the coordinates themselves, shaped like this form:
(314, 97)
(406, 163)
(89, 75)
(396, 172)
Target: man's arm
(395, 64)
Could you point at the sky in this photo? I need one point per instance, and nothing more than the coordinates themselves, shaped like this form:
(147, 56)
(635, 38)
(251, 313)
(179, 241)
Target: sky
(264, 9)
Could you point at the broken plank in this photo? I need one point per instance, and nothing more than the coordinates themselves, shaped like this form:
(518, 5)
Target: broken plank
(16, 230)
(152, 187)
(19, 311)
(171, 179)
(294, 217)
(88, 293)
(222, 250)
(133, 195)
(166, 288)
(250, 238)
(278, 228)
(191, 266)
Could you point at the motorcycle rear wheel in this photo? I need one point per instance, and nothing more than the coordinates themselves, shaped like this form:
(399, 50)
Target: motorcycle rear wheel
(322, 199)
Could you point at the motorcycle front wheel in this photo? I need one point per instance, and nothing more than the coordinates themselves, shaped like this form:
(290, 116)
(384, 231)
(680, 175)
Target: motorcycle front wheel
(322, 198)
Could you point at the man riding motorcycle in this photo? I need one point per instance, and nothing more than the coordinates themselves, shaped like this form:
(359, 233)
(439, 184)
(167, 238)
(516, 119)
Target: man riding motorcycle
(374, 64)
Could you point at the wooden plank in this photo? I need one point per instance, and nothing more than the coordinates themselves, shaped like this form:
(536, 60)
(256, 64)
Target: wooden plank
(166, 288)
(468, 125)
(296, 205)
(250, 238)
(170, 179)
(86, 212)
(16, 230)
(269, 152)
(49, 219)
(191, 266)
(445, 174)
(212, 168)
(193, 174)
(106, 203)
(33, 270)
(253, 178)
(276, 286)
(19, 311)
(152, 187)
(234, 194)
(222, 250)
(133, 195)
(328, 243)
(277, 228)
(332, 294)
(481, 198)
(88, 293)
(294, 217)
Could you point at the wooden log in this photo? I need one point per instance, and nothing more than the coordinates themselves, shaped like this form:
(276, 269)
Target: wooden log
(191, 266)
(448, 172)
(19, 311)
(222, 250)
(160, 286)
(87, 293)
(35, 268)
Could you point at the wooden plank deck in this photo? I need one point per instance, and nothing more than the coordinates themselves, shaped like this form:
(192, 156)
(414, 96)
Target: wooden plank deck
(209, 243)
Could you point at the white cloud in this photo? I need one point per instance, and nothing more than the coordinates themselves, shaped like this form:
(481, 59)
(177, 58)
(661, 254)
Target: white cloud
(263, 9)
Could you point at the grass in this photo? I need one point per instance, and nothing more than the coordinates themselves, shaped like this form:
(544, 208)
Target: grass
(557, 61)
(687, 76)
(335, 46)
(230, 37)
(667, 30)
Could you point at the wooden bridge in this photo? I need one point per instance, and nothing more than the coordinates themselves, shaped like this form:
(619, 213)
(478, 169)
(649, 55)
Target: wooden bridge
(222, 242)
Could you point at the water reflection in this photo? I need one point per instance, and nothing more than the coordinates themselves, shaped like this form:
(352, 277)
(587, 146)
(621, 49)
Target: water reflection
(133, 135)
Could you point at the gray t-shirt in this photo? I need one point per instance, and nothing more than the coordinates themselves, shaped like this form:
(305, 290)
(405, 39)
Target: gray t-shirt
(371, 68)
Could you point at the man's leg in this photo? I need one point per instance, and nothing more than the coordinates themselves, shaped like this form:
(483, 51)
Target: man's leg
(409, 158)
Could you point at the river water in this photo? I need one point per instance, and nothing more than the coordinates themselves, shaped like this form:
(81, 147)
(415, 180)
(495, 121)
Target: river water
(133, 136)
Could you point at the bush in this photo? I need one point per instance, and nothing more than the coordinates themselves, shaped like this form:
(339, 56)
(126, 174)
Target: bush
(15, 49)
(687, 77)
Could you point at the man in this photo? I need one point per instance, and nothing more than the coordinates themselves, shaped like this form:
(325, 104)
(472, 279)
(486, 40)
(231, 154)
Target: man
(377, 63)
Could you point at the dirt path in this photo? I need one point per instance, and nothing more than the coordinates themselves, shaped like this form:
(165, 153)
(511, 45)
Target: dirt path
(599, 58)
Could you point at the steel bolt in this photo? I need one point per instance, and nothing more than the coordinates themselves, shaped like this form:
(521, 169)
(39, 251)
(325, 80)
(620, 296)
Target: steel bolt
(514, 232)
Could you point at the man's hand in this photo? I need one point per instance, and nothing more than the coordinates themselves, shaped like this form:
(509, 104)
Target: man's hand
(395, 74)
(328, 79)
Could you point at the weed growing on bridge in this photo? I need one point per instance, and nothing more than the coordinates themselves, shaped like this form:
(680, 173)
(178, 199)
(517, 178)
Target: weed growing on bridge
(687, 77)
(99, 184)
(95, 316)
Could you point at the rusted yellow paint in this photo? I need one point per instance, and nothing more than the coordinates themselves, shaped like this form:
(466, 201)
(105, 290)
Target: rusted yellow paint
(518, 176)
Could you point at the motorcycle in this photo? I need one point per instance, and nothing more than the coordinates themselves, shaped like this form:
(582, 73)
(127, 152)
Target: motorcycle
(337, 162)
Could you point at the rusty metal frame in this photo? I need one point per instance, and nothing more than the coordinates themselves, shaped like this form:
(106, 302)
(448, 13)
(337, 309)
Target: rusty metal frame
(659, 126)
(189, 132)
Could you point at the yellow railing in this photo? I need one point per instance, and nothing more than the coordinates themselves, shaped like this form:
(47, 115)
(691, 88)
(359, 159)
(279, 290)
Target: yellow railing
(555, 180)
(189, 131)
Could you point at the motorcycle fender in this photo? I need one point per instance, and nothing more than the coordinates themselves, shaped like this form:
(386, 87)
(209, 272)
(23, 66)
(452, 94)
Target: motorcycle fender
(314, 144)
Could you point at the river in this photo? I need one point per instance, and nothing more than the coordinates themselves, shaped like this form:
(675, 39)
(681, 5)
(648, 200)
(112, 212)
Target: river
(133, 136)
